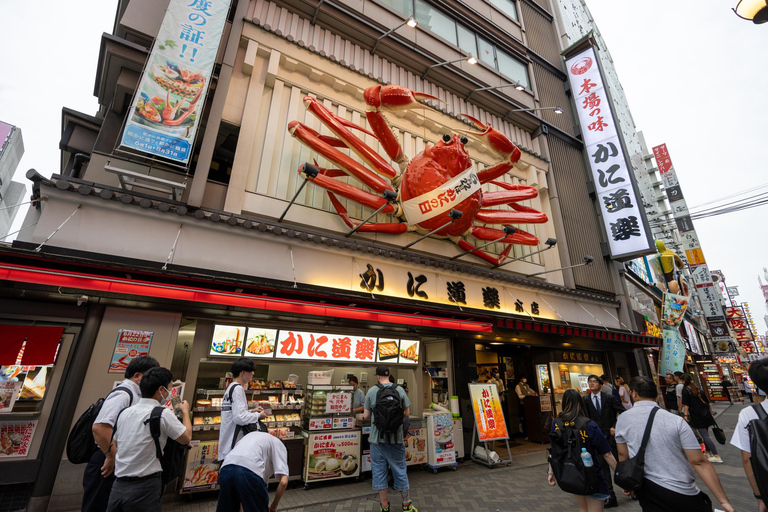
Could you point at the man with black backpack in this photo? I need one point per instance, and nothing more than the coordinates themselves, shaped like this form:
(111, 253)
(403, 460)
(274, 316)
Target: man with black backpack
(98, 476)
(751, 437)
(387, 405)
(138, 466)
(236, 419)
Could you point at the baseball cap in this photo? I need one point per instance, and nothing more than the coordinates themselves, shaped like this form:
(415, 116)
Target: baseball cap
(382, 370)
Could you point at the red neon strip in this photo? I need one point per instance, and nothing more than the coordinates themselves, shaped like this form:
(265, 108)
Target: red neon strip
(142, 288)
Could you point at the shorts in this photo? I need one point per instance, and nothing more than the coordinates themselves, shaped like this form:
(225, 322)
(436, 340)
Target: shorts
(392, 455)
(599, 496)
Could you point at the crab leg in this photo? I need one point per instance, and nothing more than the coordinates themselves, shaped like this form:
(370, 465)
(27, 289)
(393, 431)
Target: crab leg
(391, 98)
(513, 194)
(350, 191)
(311, 138)
(339, 126)
(519, 237)
(484, 255)
(394, 228)
(521, 215)
(190, 109)
(499, 144)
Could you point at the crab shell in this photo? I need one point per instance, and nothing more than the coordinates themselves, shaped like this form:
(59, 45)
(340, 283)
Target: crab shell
(437, 164)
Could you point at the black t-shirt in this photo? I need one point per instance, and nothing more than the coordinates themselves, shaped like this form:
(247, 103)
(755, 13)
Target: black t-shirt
(670, 398)
(698, 409)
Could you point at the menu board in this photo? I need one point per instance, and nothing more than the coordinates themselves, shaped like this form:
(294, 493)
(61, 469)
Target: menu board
(387, 350)
(339, 402)
(260, 342)
(489, 417)
(228, 340)
(202, 472)
(16, 438)
(714, 381)
(9, 391)
(415, 441)
(409, 351)
(332, 456)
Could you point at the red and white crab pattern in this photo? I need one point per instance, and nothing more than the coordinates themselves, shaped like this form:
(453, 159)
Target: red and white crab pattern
(431, 169)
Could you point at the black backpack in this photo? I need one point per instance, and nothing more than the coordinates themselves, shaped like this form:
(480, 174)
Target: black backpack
(259, 426)
(758, 446)
(616, 393)
(389, 411)
(172, 459)
(80, 442)
(565, 458)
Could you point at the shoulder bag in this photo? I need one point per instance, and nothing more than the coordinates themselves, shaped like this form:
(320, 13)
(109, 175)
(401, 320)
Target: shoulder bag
(717, 431)
(629, 473)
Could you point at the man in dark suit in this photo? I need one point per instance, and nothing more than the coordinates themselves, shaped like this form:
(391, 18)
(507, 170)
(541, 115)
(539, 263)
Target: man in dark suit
(603, 408)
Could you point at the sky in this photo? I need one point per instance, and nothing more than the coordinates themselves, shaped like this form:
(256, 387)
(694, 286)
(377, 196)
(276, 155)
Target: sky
(692, 71)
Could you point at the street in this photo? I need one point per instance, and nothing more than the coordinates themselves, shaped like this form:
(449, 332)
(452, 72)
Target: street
(520, 487)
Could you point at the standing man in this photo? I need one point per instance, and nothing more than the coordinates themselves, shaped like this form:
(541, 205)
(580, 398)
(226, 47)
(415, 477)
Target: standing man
(243, 476)
(679, 389)
(495, 379)
(523, 390)
(758, 372)
(98, 476)
(138, 470)
(603, 409)
(358, 397)
(387, 449)
(670, 395)
(234, 406)
(673, 457)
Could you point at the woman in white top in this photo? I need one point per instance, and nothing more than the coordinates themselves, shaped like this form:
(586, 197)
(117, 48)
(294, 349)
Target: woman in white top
(626, 401)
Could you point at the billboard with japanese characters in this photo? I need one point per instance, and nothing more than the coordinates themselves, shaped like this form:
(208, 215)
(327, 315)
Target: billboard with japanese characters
(620, 204)
(166, 108)
(489, 417)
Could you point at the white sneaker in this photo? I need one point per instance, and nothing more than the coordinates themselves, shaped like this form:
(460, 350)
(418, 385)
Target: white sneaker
(716, 458)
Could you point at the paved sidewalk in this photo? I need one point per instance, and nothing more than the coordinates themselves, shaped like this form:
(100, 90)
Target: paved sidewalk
(520, 487)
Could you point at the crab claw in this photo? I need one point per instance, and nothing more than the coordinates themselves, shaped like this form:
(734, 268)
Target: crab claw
(395, 97)
(494, 140)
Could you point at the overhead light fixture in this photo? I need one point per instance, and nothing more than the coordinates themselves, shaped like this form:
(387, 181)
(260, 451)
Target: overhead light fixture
(557, 110)
(496, 343)
(411, 22)
(454, 216)
(550, 243)
(516, 85)
(469, 60)
(588, 260)
(754, 10)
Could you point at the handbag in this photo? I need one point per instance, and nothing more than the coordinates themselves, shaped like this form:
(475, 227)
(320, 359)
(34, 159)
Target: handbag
(718, 432)
(630, 473)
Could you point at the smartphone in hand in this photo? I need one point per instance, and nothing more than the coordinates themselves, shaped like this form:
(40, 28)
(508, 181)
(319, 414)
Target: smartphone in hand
(175, 401)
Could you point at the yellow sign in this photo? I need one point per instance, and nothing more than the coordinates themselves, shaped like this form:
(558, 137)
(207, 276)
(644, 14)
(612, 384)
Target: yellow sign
(488, 415)
(652, 329)
(695, 256)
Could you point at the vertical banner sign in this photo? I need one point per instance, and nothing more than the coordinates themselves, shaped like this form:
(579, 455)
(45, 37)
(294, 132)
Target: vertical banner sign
(673, 345)
(166, 109)
(623, 220)
(486, 407)
(130, 344)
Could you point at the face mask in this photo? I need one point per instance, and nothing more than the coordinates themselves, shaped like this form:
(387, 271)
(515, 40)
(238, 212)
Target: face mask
(166, 396)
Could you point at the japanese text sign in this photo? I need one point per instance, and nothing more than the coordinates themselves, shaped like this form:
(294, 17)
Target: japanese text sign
(623, 219)
(489, 417)
(337, 403)
(168, 104)
(16, 438)
(332, 455)
(130, 344)
(338, 347)
(441, 199)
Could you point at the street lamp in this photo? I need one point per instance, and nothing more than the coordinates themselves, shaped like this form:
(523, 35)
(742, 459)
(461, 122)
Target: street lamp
(754, 10)
(470, 59)
(517, 85)
(557, 110)
(411, 22)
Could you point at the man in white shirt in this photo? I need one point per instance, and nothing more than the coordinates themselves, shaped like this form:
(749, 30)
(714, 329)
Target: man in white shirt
(234, 406)
(679, 389)
(758, 372)
(98, 476)
(138, 470)
(673, 456)
(244, 474)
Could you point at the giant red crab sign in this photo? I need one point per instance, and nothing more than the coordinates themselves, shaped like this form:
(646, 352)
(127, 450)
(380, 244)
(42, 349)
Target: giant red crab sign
(431, 187)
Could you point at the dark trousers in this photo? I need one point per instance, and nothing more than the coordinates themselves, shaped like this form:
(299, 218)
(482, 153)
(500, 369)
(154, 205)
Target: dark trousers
(655, 498)
(130, 495)
(606, 469)
(96, 489)
(239, 486)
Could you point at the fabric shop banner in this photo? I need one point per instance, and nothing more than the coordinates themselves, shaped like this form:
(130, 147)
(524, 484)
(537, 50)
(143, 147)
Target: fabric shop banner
(166, 108)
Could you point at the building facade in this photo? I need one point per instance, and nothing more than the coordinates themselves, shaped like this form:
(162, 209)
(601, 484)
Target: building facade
(244, 252)
(11, 192)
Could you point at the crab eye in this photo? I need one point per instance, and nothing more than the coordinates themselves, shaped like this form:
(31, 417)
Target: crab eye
(464, 140)
(446, 138)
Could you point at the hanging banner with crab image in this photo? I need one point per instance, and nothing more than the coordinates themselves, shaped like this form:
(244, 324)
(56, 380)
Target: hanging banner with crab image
(165, 112)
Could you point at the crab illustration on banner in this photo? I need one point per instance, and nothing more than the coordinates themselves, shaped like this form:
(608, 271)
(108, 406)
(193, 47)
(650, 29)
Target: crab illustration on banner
(436, 191)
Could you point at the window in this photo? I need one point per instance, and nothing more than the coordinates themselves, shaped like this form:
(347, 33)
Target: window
(402, 6)
(485, 52)
(505, 6)
(467, 40)
(513, 68)
(436, 21)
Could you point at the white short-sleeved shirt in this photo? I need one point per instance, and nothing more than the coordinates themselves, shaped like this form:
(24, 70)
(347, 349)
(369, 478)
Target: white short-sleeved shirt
(118, 401)
(262, 453)
(665, 461)
(740, 437)
(679, 390)
(136, 455)
(233, 413)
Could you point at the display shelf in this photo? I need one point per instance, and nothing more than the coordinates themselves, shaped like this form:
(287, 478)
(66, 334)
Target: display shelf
(202, 391)
(206, 409)
(203, 428)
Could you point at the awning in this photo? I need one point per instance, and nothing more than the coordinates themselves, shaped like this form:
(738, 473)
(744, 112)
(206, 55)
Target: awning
(585, 332)
(91, 282)
(42, 344)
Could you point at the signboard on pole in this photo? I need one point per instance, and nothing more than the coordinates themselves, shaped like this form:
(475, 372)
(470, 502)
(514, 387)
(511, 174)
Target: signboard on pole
(623, 218)
(168, 104)
(489, 417)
